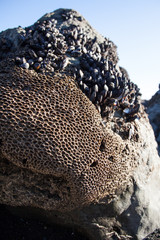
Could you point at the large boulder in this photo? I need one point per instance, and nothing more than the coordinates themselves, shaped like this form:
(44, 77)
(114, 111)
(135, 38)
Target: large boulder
(75, 141)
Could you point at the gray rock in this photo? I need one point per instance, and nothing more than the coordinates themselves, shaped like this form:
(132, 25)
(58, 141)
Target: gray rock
(153, 110)
(15, 35)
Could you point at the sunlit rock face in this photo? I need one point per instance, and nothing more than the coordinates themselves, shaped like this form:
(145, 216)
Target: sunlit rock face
(74, 137)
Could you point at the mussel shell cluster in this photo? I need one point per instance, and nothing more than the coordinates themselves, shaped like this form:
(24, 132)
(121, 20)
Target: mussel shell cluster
(47, 48)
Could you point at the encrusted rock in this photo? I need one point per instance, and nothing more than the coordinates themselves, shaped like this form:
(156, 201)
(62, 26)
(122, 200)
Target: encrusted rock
(56, 43)
(75, 141)
(50, 127)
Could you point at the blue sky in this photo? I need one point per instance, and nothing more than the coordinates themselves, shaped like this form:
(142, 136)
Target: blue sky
(133, 25)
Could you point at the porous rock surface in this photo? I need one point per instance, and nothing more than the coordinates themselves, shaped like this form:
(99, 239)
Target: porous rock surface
(50, 127)
(59, 153)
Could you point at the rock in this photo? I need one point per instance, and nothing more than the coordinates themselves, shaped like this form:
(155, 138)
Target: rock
(153, 110)
(60, 157)
(153, 236)
(74, 47)
(134, 213)
(56, 130)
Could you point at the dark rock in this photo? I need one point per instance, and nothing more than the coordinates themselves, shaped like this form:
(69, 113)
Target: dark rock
(14, 225)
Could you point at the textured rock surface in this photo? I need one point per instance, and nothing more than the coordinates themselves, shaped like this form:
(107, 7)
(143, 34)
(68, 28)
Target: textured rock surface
(58, 154)
(154, 236)
(64, 41)
(50, 127)
(134, 213)
(153, 110)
